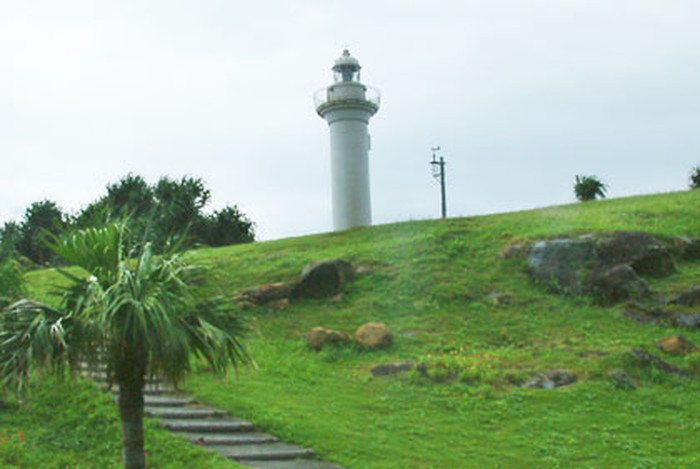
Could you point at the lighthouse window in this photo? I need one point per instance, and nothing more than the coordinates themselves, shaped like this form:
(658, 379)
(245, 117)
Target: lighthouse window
(347, 73)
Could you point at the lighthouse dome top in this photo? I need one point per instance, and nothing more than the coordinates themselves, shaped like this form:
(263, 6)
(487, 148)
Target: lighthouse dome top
(346, 68)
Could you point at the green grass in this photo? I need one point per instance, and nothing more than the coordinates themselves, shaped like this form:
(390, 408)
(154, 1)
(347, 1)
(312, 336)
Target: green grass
(430, 282)
(67, 424)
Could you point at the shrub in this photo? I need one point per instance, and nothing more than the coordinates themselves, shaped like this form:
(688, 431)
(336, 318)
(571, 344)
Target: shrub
(589, 188)
(695, 178)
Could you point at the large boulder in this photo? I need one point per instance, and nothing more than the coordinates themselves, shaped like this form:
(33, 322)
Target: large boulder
(607, 265)
(374, 335)
(323, 279)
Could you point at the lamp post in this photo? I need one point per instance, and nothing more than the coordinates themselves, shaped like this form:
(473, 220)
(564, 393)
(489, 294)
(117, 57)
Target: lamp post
(438, 168)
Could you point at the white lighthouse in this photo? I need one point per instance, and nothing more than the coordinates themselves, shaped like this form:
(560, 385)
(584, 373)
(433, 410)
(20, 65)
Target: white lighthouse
(347, 106)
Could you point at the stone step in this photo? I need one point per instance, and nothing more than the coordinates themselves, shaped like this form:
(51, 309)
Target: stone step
(101, 377)
(183, 412)
(148, 390)
(158, 390)
(264, 451)
(242, 438)
(292, 464)
(165, 400)
(229, 425)
(94, 367)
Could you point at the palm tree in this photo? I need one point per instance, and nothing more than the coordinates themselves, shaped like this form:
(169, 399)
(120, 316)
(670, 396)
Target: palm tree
(589, 188)
(141, 316)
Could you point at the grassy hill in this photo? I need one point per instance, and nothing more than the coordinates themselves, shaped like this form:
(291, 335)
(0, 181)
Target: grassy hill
(436, 284)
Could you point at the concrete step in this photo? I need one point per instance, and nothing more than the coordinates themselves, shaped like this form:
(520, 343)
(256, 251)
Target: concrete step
(228, 425)
(101, 377)
(242, 438)
(292, 464)
(165, 400)
(183, 412)
(148, 390)
(264, 451)
(88, 367)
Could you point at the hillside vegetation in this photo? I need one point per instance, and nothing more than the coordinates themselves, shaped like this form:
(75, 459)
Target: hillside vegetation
(455, 303)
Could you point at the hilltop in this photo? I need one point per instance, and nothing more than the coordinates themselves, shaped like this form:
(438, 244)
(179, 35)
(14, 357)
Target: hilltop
(476, 319)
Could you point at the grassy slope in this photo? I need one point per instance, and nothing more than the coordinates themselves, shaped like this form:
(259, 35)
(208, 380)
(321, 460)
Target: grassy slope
(431, 283)
(71, 425)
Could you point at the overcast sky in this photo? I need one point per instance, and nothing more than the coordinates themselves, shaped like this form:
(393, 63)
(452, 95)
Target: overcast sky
(521, 95)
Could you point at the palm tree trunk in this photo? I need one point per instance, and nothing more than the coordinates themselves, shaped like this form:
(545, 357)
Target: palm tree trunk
(131, 414)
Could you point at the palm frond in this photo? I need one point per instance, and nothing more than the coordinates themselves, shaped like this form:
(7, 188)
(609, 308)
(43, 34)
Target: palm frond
(34, 333)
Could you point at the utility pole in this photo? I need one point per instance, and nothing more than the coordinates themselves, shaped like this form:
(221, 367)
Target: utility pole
(438, 168)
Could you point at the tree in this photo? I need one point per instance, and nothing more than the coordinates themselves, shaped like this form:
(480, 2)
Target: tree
(695, 178)
(141, 317)
(40, 219)
(179, 207)
(224, 227)
(589, 188)
(10, 238)
(168, 209)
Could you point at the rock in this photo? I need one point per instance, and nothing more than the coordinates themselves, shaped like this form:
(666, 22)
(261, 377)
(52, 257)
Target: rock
(391, 368)
(686, 320)
(374, 335)
(676, 344)
(562, 264)
(646, 253)
(265, 293)
(550, 379)
(323, 279)
(621, 380)
(687, 298)
(648, 315)
(605, 264)
(319, 337)
(648, 359)
(618, 283)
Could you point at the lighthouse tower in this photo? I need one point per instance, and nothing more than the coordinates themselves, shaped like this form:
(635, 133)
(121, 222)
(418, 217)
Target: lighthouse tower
(347, 106)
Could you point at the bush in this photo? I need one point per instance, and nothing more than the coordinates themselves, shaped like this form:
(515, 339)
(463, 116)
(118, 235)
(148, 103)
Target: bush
(589, 188)
(695, 178)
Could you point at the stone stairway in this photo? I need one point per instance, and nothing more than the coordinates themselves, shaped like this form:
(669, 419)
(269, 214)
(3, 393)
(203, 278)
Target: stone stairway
(218, 431)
